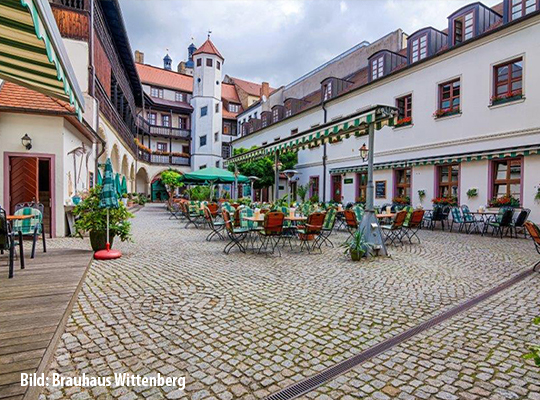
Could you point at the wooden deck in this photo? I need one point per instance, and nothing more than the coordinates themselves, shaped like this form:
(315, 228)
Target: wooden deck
(34, 307)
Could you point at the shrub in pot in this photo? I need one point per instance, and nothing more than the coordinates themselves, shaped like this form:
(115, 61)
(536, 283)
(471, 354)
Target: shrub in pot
(92, 219)
(357, 246)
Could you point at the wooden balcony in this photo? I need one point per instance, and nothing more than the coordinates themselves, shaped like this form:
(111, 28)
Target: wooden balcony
(163, 131)
(163, 159)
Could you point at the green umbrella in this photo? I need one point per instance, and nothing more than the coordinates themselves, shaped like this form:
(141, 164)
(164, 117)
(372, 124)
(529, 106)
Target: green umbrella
(212, 175)
(123, 185)
(99, 178)
(117, 184)
(108, 200)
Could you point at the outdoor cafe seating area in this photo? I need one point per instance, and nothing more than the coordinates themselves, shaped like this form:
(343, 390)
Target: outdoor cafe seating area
(269, 228)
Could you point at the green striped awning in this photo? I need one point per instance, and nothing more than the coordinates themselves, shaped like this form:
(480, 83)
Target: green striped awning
(465, 157)
(355, 124)
(32, 53)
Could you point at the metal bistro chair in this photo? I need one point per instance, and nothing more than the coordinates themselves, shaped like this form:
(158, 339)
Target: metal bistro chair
(236, 235)
(271, 232)
(311, 231)
(412, 227)
(394, 231)
(215, 226)
(8, 242)
(32, 226)
(470, 218)
(502, 220)
(350, 221)
(519, 222)
(534, 231)
(328, 226)
(459, 219)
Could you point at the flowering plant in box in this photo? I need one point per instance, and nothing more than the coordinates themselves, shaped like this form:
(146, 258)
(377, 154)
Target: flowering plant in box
(513, 95)
(403, 122)
(444, 112)
(401, 200)
(504, 201)
(445, 201)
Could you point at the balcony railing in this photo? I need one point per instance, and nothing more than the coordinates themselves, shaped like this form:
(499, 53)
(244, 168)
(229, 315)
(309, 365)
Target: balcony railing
(165, 131)
(163, 159)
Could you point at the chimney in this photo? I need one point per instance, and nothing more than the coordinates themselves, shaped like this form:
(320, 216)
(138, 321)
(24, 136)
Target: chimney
(265, 90)
(139, 57)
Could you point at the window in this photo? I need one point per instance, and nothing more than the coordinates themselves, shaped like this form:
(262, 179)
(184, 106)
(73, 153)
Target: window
(179, 96)
(404, 106)
(202, 166)
(156, 92)
(225, 150)
(216, 136)
(234, 108)
(217, 164)
(361, 191)
(517, 7)
(202, 141)
(294, 131)
(209, 62)
(161, 146)
(327, 89)
(288, 110)
(199, 62)
(277, 139)
(264, 121)
(185, 149)
(507, 178)
(204, 111)
(403, 182)
(508, 79)
(419, 48)
(463, 28)
(226, 129)
(275, 115)
(449, 95)
(152, 118)
(183, 122)
(165, 120)
(218, 65)
(377, 68)
(313, 186)
(217, 108)
(448, 180)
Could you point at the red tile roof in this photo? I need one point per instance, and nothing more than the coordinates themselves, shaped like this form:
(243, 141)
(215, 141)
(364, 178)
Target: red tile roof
(162, 77)
(228, 115)
(13, 96)
(250, 88)
(228, 92)
(208, 48)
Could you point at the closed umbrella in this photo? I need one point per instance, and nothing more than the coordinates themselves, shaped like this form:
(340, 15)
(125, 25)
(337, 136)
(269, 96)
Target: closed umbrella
(99, 178)
(109, 199)
(123, 185)
(117, 184)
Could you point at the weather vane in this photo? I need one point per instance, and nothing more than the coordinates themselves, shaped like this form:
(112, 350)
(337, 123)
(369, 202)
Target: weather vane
(209, 33)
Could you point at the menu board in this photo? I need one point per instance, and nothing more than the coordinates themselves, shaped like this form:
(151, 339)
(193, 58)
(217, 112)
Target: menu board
(380, 189)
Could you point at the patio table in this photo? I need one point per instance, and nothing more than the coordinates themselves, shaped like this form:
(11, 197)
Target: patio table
(287, 218)
(386, 215)
(18, 217)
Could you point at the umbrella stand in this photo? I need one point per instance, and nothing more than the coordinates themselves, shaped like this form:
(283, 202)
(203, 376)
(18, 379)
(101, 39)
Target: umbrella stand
(107, 254)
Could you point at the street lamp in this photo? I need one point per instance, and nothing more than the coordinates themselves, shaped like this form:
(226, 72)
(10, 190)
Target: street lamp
(289, 173)
(364, 152)
(252, 179)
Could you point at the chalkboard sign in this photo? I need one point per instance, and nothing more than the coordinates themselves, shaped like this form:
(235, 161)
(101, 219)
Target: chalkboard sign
(380, 189)
(348, 181)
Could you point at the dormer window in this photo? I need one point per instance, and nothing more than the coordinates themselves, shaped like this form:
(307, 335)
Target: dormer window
(234, 108)
(156, 92)
(464, 28)
(288, 110)
(327, 91)
(519, 8)
(275, 115)
(419, 48)
(377, 68)
(179, 96)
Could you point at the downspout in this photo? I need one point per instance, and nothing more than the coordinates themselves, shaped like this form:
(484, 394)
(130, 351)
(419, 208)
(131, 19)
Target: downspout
(324, 153)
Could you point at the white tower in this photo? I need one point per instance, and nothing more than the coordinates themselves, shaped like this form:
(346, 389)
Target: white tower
(207, 107)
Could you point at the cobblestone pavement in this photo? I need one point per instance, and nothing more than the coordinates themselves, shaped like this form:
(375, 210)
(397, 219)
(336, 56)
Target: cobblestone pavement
(244, 326)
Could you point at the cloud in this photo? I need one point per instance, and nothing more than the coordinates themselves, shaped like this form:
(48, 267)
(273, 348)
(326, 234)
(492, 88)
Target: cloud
(274, 40)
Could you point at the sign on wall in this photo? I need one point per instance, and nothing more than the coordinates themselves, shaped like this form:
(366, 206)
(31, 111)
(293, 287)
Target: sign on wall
(348, 181)
(380, 189)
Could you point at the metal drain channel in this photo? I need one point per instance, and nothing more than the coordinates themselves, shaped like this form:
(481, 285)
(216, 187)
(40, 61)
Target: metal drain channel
(313, 382)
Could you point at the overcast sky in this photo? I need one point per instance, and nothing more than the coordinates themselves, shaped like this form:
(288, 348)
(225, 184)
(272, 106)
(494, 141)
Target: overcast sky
(274, 40)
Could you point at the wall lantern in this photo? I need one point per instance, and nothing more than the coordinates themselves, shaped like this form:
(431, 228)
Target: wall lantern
(26, 141)
(364, 152)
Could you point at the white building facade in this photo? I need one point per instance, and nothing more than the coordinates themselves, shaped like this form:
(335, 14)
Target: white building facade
(485, 135)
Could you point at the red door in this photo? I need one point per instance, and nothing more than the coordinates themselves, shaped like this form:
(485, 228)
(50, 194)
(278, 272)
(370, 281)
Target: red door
(336, 184)
(24, 178)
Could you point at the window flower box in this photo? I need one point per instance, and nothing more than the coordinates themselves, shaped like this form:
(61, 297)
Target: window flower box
(401, 200)
(445, 201)
(446, 112)
(403, 122)
(504, 201)
(507, 98)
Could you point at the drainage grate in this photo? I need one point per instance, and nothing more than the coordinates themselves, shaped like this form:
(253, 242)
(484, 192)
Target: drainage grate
(311, 383)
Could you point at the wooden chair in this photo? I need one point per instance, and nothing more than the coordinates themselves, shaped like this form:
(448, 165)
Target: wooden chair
(311, 231)
(412, 227)
(394, 231)
(350, 221)
(271, 231)
(534, 231)
(236, 235)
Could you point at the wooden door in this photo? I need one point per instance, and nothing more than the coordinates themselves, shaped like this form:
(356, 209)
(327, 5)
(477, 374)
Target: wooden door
(336, 184)
(23, 180)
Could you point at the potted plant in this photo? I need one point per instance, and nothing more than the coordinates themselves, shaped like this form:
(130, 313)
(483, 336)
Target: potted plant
(302, 191)
(403, 122)
(421, 194)
(537, 195)
(445, 201)
(401, 200)
(357, 246)
(472, 192)
(504, 201)
(92, 219)
(125, 199)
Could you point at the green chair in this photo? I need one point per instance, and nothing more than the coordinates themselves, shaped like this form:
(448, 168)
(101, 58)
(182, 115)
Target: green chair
(31, 226)
(328, 226)
(8, 241)
(409, 210)
(358, 213)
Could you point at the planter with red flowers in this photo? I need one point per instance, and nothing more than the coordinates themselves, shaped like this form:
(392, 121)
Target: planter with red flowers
(401, 200)
(403, 122)
(446, 112)
(506, 98)
(445, 201)
(504, 201)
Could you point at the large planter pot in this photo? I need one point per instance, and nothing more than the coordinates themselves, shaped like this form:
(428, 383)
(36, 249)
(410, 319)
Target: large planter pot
(98, 240)
(356, 255)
